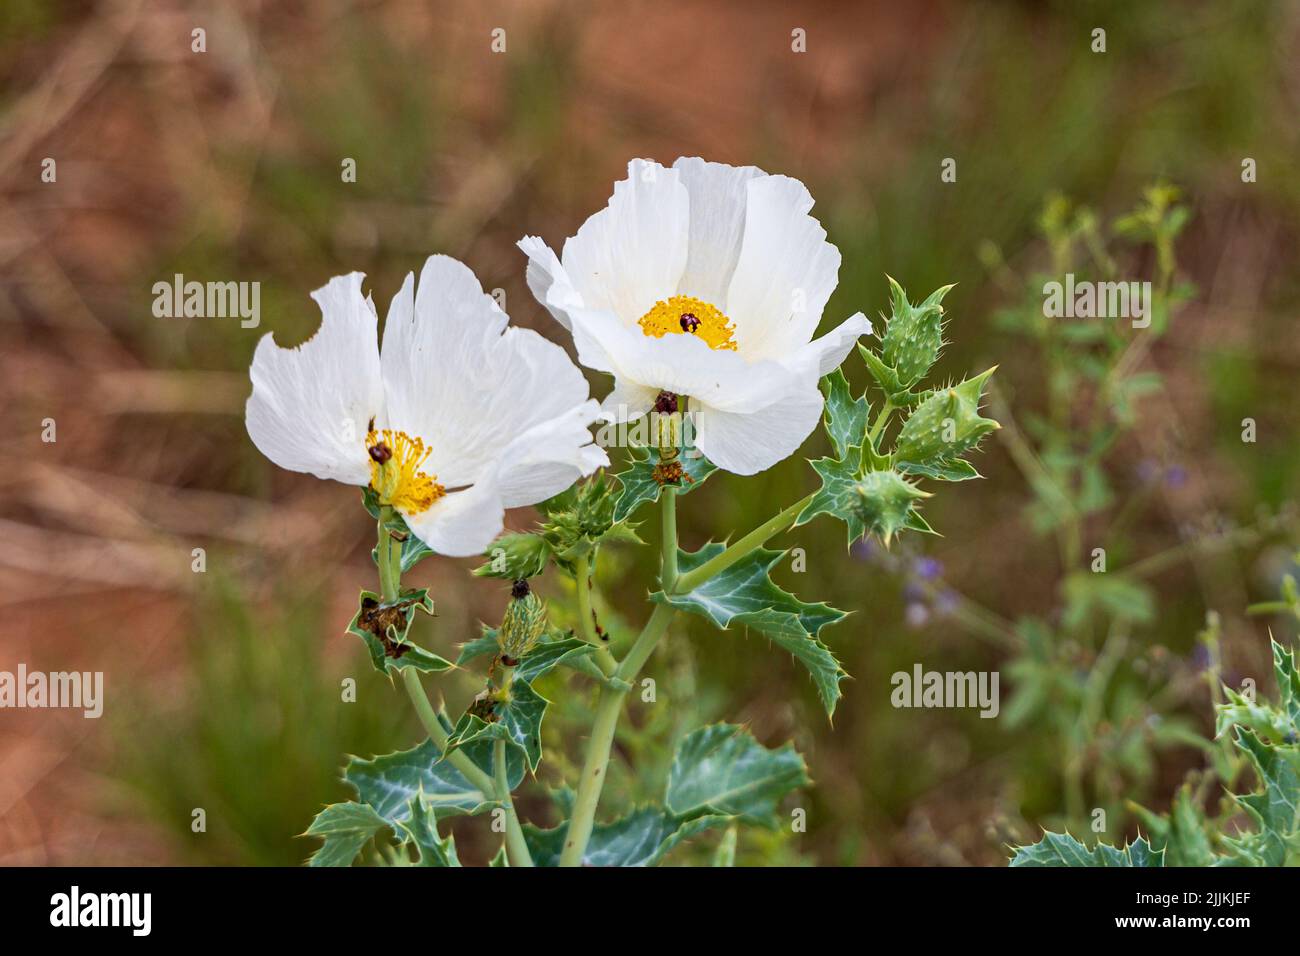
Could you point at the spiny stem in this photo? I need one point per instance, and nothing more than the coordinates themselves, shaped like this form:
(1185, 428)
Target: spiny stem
(742, 548)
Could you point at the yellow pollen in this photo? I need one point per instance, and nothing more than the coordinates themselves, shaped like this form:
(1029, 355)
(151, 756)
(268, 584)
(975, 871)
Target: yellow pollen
(687, 315)
(395, 460)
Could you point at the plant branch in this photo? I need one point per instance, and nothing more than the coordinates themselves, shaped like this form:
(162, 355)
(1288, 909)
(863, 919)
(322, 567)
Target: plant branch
(742, 548)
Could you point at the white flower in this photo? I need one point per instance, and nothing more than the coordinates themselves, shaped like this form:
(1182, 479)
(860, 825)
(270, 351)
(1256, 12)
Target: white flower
(707, 281)
(457, 420)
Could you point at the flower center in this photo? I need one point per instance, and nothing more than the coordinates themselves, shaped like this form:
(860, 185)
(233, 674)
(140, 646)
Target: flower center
(395, 460)
(687, 315)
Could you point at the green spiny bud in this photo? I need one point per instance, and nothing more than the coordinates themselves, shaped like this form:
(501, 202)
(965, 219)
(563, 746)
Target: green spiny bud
(886, 503)
(914, 335)
(524, 622)
(946, 424)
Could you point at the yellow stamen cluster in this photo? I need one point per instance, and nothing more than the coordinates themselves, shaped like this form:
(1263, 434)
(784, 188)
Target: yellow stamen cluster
(395, 461)
(685, 314)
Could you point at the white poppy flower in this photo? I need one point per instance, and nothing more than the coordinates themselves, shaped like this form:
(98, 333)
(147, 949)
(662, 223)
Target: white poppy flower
(706, 281)
(459, 418)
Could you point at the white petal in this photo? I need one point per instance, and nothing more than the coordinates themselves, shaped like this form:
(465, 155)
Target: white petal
(547, 280)
(554, 289)
(786, 271)
(549, 457)
(628, 401)
(683, 364)
(822, 356)
(463, 381)
(747, 443)
(311, 405)
(461, 523)
(631, 254)
(717, 200)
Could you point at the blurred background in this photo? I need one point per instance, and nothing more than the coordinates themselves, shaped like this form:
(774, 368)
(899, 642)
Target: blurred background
(223, 687)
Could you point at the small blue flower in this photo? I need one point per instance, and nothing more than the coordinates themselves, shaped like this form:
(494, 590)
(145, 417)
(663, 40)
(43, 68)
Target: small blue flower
(927, 569)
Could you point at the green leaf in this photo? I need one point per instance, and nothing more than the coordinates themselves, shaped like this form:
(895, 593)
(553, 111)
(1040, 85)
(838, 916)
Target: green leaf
(640, 486)
(487, 643)
(384, 628)
(1275, 809)
(549, 654)
(555, 649)
(518, 721)
(745, 595)
(846, 417)
(642, 838)
(838, 496)
(345, 828)
(1184, 836)
(421, 828)
(1061, 849)
(723, 769)
(389, 782)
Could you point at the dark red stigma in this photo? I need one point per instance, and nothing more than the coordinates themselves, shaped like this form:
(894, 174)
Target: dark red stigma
(520, 589)
(381, 452)
(689, 322)
(666, 403)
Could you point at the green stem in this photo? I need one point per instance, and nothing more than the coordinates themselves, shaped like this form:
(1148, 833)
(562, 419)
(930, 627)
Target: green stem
(742, 548)
(668, 546)
(433, 727)
(586, 615)
(389, 553)
(883, 416)
(389, 558)
(609, 705)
